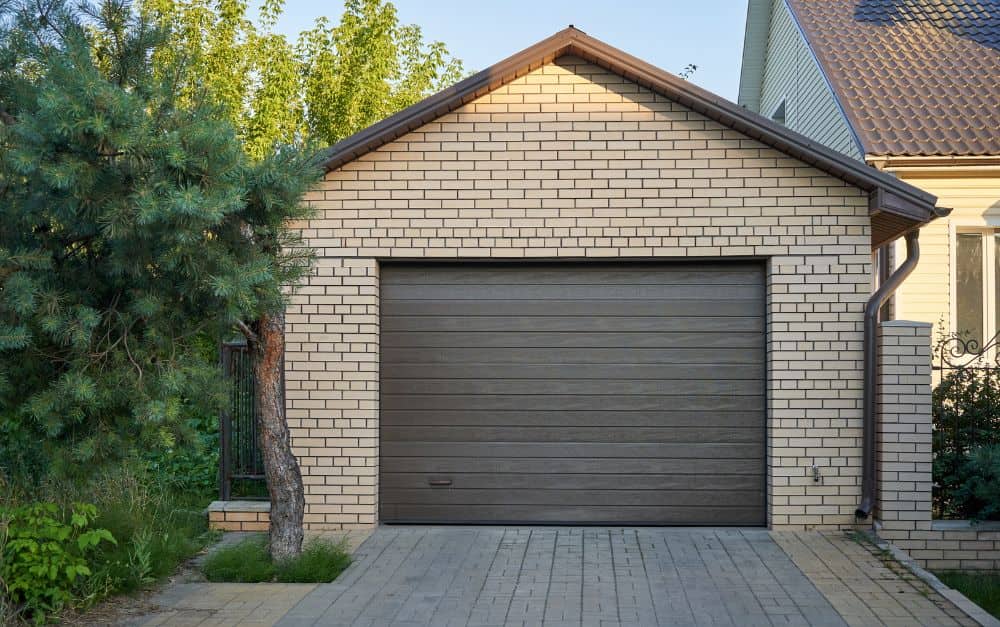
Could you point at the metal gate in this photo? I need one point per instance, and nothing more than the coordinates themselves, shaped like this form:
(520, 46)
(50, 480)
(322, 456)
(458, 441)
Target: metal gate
(240, 456)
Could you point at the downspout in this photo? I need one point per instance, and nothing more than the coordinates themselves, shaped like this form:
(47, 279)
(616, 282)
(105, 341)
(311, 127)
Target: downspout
(872, 309)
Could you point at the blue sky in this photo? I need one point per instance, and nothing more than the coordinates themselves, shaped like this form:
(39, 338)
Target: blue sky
(669, 33)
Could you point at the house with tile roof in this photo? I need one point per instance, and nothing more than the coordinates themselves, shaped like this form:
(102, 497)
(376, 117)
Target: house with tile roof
(911, 87)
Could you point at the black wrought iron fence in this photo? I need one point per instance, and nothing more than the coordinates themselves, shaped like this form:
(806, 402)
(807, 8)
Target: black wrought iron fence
(240, 457)
(966, 415)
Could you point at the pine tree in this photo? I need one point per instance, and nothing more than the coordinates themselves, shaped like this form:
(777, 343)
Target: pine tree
(131, 227)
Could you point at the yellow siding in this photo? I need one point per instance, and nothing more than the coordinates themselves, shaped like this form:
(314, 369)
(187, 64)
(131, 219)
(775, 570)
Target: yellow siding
(975, 199)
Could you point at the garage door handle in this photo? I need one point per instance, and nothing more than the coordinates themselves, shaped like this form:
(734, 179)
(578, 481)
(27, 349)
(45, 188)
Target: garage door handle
(439, 482)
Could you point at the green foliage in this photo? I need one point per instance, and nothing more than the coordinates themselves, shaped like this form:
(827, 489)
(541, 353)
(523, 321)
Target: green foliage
(156, 528)
(966, 415)
(978, 495)
(191, 463)
(133, 229)
(245, 562)
(334, 81)
(321, 561)
(248, 561)
(46, 552)
(983, 589)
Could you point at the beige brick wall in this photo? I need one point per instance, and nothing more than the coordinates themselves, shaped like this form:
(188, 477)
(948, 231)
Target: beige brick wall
(571, 161)
(239, 515)
(905, 457)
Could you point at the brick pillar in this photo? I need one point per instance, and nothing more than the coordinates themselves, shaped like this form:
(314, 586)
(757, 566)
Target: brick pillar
(903, 418)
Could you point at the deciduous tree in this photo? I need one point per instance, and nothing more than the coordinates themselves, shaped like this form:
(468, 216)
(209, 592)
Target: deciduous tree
(335, 80)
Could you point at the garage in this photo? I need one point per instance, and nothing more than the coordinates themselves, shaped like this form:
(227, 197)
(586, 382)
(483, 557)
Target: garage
(625, 393)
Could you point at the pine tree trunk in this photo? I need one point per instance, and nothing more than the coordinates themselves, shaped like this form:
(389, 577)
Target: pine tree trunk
(284, 480)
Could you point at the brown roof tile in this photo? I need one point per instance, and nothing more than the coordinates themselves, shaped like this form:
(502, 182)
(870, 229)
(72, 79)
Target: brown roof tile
(915, 77)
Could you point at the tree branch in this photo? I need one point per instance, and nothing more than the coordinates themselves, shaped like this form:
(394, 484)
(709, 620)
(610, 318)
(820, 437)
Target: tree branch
(247, 331)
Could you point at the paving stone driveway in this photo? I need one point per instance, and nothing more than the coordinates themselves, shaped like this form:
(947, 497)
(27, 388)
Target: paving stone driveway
(579, 576)
(567, 576)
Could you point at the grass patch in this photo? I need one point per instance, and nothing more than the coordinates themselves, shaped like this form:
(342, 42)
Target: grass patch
(321, 561)
(248, 561)
(244, 562)
(983, 589)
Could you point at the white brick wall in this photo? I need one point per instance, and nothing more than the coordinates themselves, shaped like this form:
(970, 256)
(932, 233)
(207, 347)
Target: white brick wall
(572, 161)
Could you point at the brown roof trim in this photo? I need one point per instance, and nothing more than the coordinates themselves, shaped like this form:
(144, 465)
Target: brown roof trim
(907, 202)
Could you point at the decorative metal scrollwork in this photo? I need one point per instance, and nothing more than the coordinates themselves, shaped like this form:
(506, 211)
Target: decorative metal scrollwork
(957, 352)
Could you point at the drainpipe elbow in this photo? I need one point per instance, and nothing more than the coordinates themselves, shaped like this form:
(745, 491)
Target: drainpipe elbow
(882, 294)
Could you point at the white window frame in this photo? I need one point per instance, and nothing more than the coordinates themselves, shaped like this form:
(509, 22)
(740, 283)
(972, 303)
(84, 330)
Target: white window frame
(987, 232)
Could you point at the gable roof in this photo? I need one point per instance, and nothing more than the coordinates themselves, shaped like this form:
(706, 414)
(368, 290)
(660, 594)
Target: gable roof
(914, 77)
(900, 205)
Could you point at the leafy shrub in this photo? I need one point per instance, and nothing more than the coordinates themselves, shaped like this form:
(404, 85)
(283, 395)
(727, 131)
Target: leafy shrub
(966, 413)
(248, 561)
(45, 554)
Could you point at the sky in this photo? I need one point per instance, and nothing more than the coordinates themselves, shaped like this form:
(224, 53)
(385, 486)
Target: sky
(669, 34)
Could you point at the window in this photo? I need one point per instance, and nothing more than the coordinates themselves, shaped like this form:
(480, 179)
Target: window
(779, 114)
(977, 279)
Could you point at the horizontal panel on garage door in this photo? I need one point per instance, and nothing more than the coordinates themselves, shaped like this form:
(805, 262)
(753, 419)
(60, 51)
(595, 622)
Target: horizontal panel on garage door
(579, 393)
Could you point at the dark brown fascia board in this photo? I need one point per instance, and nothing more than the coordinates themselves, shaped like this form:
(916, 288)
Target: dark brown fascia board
(887, 193)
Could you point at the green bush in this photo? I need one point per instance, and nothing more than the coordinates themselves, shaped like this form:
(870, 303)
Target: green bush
(46, 552)
(966, 414)
(980, 490)
(248, 561)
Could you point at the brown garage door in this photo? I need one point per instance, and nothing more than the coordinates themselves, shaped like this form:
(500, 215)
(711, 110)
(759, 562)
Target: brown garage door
(573, 394)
